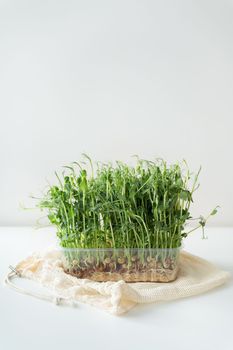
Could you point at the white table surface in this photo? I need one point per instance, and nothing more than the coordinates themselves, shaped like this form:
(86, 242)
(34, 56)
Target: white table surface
(202, 322)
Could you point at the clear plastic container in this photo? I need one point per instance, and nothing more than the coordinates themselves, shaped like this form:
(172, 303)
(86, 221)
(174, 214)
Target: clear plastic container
(130, 265)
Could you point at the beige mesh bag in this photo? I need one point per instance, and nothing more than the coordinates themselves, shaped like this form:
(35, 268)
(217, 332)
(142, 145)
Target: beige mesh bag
(195, 276)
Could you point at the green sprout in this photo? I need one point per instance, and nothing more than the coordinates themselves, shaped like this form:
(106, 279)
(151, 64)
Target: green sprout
(122, 206)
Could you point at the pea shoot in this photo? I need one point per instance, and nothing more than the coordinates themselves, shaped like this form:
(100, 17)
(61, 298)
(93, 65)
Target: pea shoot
(121, 206)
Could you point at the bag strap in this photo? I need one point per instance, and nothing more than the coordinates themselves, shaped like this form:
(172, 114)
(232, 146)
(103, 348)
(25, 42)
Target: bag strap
(16, 274)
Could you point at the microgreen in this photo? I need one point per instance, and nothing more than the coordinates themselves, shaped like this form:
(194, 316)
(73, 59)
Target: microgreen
(122, 206)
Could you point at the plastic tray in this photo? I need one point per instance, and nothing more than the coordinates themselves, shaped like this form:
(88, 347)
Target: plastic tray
(130, 265)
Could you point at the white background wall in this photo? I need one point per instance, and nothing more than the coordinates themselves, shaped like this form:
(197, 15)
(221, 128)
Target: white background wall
(115, 78)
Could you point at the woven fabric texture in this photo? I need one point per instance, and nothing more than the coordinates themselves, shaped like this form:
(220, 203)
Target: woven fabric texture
(195, 276)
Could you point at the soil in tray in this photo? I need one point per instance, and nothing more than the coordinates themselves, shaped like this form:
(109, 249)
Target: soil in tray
(129, 270)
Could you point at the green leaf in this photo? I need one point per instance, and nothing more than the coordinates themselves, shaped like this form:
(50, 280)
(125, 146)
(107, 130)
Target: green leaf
(214, 212)
(185, 195)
